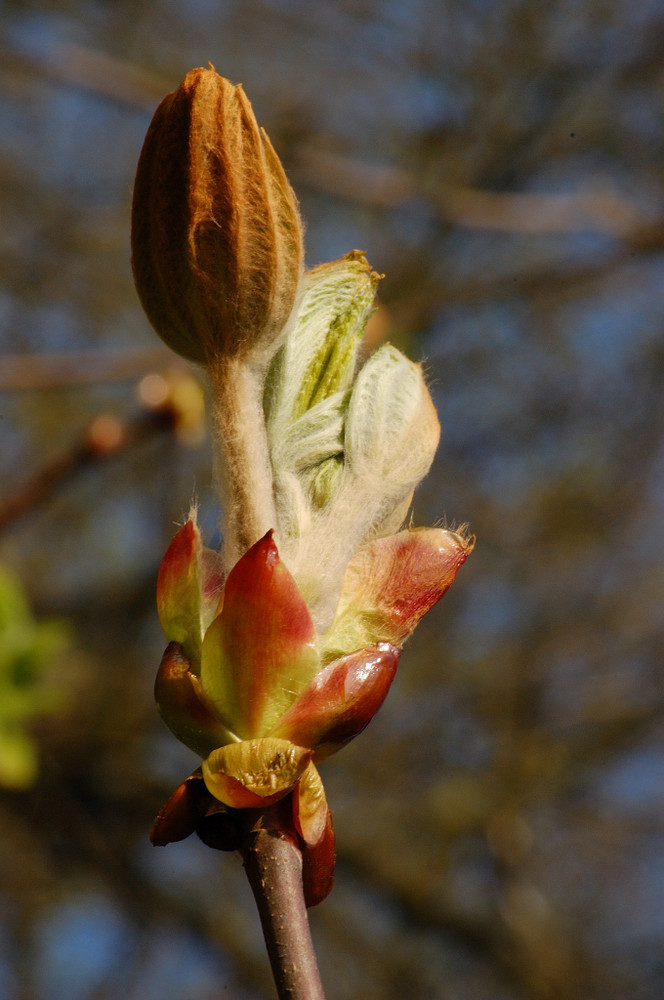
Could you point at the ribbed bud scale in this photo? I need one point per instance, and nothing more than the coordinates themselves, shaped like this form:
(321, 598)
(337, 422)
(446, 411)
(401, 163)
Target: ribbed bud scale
(217, 246)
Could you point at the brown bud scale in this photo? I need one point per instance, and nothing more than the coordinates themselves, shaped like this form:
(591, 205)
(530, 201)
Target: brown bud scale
(216, 236)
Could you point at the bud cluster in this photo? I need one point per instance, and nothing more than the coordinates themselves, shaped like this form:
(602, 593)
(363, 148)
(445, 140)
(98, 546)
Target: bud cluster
(283, 647)
(349, 441)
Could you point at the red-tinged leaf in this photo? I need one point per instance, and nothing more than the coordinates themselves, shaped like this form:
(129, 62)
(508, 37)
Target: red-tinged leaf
(189, 587)
(260, 651)
(179, 590)
(391, 583)
(341, 700)
(183, 706)
(177, 819)
(310, 806)
(254, 773)
(318, 866)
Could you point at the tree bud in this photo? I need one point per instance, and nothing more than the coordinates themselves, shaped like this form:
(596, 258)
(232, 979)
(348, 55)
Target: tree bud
(216, 236)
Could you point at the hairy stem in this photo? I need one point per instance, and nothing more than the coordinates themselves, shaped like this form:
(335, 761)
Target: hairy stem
(242, 454)
(273, 864)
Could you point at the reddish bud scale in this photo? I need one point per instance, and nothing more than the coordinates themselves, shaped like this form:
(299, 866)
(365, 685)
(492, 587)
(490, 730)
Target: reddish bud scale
(178, 817)
(183, 706)
(254, 773)
(178, 589)
(419, 577)
(391, 583)
(318, 866)
(238, 796)
(265, 639)
(341, 700)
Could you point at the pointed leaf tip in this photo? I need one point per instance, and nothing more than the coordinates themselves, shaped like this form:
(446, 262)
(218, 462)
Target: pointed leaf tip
(178, 593)
(189, 587)
(391, 583)
(260, 651)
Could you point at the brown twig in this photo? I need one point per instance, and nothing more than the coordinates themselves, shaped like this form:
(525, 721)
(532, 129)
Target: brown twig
(91, 70)
(603, 210)
(30, 372)
(600, 209)
(273, 863)
(104, 438)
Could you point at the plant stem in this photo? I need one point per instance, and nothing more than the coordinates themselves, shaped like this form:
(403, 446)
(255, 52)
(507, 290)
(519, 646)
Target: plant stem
(273, 863)
(242, 454)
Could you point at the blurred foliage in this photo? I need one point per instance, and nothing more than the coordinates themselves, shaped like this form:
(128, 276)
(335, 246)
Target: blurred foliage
(501, 823)
(27, 650)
